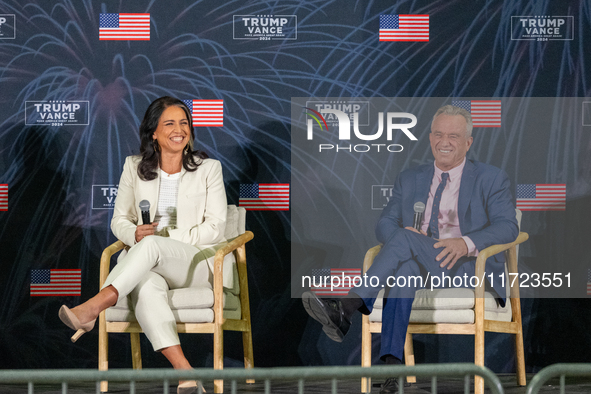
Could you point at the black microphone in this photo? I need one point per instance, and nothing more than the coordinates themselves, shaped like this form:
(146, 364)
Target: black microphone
(145, 207)
(419, 208)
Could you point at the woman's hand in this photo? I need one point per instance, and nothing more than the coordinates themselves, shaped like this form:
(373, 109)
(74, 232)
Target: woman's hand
(144, 230)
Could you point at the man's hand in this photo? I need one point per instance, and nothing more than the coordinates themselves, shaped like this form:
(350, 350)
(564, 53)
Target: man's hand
(144, 230)
(414, 230)
(453, 249)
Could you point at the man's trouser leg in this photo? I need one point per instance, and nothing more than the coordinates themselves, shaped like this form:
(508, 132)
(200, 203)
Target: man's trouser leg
(396, 312)
(404, 245)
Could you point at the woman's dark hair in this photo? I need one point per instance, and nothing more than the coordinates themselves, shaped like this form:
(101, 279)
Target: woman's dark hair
(149, 150)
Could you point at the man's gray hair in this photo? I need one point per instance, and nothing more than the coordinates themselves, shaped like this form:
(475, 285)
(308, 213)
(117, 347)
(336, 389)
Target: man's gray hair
(452, 110)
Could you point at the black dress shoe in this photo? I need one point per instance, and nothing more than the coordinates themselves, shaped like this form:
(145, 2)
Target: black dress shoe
(391, 386)
(329, 312)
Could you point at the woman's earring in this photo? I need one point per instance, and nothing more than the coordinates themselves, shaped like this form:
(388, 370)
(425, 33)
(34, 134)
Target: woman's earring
(155, 145)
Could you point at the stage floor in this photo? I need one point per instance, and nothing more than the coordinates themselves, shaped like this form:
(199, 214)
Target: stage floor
(445, 386)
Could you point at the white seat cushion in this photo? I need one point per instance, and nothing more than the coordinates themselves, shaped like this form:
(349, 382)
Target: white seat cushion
(231, 222)
(235, 226)
(189, 305)
(181, 315)
(447, 306)
(235, 221)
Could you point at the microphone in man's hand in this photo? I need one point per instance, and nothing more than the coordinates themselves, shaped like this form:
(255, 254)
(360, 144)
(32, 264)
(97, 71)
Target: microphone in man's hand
(419, 208)
(145, 208)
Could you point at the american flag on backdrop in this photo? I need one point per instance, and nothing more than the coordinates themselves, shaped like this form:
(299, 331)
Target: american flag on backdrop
(485, 113)
(55, 282)
(322, 285)
(588, 281)
(206, 112)
(264, 196)
(124, 27)
(3, 197)
(404, 27)
(543, 197)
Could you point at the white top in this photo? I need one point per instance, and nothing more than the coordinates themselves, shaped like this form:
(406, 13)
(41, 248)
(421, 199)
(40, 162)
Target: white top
(167, 202)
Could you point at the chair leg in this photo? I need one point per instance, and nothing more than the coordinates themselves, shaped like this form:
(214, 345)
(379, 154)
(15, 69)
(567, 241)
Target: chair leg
(248, 353)
(516, 310)
(519, 351)
(218, 357)
(519, 355)
(136, 350)
(409, 356)
(103, 360)
(240, 255)
(520, 358)
(479, 358)
(365, 353)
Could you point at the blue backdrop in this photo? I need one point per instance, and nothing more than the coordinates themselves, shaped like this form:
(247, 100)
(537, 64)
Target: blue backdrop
(58, 214)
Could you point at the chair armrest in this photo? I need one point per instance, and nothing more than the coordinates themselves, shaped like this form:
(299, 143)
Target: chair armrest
(106, 260)
(218, 268)
(484, 254)
(494, 249)
(369, 256)
(232, 246)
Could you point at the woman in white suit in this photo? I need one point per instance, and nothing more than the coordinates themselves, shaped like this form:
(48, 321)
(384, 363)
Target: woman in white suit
(188, 213)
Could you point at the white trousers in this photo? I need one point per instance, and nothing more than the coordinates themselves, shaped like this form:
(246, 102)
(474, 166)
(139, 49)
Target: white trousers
(152, 267)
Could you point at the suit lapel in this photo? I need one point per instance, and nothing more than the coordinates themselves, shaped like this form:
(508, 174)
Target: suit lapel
(423, 184)
(466, 191)
(150, 191)
(182, 192)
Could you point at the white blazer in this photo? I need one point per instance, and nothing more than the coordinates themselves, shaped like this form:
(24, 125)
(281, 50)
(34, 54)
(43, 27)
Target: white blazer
(201, 205)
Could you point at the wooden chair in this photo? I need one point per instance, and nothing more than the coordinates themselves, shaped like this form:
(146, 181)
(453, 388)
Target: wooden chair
(473, 315)
(230, 309)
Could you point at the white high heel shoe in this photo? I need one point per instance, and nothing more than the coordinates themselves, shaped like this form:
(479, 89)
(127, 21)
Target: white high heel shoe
(70, 320)
(189, 387)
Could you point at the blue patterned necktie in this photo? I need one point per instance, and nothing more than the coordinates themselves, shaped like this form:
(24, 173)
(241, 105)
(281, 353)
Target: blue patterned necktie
(434, 222)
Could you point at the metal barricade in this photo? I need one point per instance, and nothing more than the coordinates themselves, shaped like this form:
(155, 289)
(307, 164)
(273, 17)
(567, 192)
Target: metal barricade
(558, 370)
(267, 375)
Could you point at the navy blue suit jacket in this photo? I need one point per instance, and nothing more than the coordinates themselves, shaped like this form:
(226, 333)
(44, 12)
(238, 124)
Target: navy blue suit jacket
(485, 208)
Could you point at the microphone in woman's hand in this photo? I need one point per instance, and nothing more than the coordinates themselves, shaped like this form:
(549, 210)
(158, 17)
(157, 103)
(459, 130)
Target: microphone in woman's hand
(145, 208)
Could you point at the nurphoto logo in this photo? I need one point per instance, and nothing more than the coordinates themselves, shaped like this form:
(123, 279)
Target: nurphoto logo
(395, 122)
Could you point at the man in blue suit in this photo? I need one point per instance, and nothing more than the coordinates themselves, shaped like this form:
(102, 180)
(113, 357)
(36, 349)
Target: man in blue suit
(468, 207)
